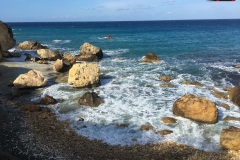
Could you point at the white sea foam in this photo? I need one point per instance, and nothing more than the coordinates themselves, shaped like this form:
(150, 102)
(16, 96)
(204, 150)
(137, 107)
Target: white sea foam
(61, 41)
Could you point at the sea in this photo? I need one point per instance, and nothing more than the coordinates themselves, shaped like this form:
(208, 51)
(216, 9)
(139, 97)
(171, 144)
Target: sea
(206, 51)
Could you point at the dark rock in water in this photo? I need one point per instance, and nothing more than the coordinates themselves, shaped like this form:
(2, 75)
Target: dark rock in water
(164, 132)
(31, 108)
(30, 45)
(234, 95)
(146, 127)
(124, 125)
(6, 37)
(169, 120)
(48, 100)
(226, 106)
(192, 83)
(229, 118)
(150, 58)
(87, 58)
(230, 138)
(90, 99)
(166, 78)
(89, 49)
(108, 36)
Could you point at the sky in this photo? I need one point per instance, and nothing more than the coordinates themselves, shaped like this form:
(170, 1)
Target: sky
(115, 10)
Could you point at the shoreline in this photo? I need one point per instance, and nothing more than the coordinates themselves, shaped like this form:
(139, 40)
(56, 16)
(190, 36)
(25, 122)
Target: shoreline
(41, 135)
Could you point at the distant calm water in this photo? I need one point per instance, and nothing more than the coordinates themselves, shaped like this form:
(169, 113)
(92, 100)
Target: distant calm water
(196, 50)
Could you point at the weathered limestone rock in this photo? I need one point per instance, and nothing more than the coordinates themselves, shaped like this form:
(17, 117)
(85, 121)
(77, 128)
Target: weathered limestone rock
(192, 83)
(195, 108)
(69, 59)
(48, 54)
(150, 58)
(48, 100)
(169, 120)
(88, 48)
(30, 108)
(90, 99)
(166, 78)
(31, 79)
(84, 75)
(164, 132)
(230, 138)
(58, 65)
(87, 57)
(219, 94)
(6, 37)
(234, 95)
(30, 45)
(146, 127)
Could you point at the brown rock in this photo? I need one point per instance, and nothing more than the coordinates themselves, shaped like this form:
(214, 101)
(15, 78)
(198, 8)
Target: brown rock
(146, 127)
(88, 48)
(227, 89)
(225, 105)
(58, 65)
(195, 108)
(31, 79)
(6, 37)
(150, 58)
(30, 45)
(230, 138)
(169, 120)
(237, 66)
(229, 118)
(84, 75)
(164, 132)
(192, 83)
(69, 59)
(90, 99)
(87, 58)
(31, 108)
(51, 55)
(219, 94)
(234, 95)
(48, 100)
(166, 78)
(124, 125)
(166, 85)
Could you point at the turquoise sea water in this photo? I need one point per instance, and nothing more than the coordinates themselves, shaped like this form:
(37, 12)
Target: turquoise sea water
(196, 50)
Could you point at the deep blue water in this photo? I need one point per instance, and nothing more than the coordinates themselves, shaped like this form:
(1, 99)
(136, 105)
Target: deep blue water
(196, 50)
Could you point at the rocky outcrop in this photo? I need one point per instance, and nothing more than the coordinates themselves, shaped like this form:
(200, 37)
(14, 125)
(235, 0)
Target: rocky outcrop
(31, 108)
(90, 99)
(164, 132)
(230, 138)
(166, 78)
(150, 58)
(69, 59)
(51, 55)
(234, 95)
(84, 75)
(192, 83)
(146, 127)
(88, 49)
(31, 79)
(48, 100)
(6, 37)
(195, 108)
(87, 58)
(30, 45)
(168, 120)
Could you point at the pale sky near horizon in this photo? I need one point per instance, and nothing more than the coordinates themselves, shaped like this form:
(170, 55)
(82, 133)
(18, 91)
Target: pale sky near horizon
(115, 10)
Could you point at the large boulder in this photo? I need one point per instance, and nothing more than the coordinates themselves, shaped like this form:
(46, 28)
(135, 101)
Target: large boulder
(195, 108)
(30, 45)
(234, 95)
(90, 99)
(6, 37)
(88, 48)
(31, 79)
(230, 138)
(48, 54)
(84, 75)
(150, 58)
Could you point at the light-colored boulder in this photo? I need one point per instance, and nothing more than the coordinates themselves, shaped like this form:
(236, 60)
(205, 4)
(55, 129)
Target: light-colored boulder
(230, 138)
(49, 54)
(84, 75)
(87, 57)
(195, 108)
(150, 58)
(88, 48)
(234, 95)
(30, 45)
(6, 37)
(58, 65)
(31, 79)
(69, 59)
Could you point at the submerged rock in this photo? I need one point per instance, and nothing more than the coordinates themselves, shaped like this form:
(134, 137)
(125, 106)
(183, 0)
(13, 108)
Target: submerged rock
(193, 83)
(229, 118)
(169, 120)
(230, 138)
(150, 58)
(146, 127)
(51, 55)
(48, 100)
(30, 45)
(195, 108)
(219, 94)
(89, 49)
(166, 85)
(234, 95)
(87, 57)
(90, 99)
(166, 78)
(226, 106)
(31, 79)
(6, 37)
(84, 75)
(164, 132)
